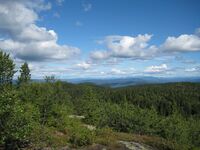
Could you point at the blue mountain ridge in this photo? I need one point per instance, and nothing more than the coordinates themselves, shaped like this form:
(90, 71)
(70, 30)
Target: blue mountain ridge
(130, 81)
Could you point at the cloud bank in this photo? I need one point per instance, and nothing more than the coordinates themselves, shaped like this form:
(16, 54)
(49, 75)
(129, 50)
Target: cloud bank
(23, 38)
(138, 47)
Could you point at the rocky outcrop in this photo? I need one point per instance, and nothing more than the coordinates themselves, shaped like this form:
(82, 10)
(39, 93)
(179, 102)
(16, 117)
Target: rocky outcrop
(135, 146)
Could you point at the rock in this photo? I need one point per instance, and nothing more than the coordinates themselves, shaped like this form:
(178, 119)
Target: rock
(135, 146)
(59, 133)
(90, 127)
(76, 117)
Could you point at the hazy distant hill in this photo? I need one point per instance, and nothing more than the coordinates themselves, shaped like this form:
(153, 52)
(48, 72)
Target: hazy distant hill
(129, 81)
(120, 82)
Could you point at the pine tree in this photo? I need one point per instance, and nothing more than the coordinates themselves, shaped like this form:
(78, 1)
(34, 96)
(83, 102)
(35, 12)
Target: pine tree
(25, 75)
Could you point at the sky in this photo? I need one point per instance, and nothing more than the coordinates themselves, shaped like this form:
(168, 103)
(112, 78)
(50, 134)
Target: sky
(102, 38)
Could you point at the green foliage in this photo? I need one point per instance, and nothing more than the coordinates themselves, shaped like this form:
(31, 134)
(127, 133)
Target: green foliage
(174, 127)
(54, 105)
(89, 106)
(6, 69)
(25, 75)
(194, 131)
(105, 136)
(16, 119)
(81, 136)
(43, 136)
(46, 106)
(153, 110)
(128, 118)
(51, 99)
(165, 98)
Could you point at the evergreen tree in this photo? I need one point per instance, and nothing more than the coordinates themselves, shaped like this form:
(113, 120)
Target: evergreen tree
(6, 68)
(50, 79)
(25, 75)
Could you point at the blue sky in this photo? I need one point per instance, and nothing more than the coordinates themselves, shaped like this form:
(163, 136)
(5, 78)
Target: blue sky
(103, 38)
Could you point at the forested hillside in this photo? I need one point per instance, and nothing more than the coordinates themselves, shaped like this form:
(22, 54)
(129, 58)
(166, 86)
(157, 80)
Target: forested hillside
(39, 115)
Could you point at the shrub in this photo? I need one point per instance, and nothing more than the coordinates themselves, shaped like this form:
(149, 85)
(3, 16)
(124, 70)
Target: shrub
(17, 120)
(81, 136)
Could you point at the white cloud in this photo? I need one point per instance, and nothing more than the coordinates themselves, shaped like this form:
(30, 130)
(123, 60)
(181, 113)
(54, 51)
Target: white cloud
(183, 43)
(193, 69)
(117, 71)
(156, 69)
(99, 55)
(34, 33)
(126, 47)
(138, 47)
(14, 21)
(23, 38)
(87, 6)
(84, 65)
(121, 72)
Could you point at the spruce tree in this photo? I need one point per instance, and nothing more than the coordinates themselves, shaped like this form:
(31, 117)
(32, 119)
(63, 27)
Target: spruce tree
(25, 75)
(6, 69)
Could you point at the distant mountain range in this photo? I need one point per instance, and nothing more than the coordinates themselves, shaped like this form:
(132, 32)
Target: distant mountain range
(130, 81)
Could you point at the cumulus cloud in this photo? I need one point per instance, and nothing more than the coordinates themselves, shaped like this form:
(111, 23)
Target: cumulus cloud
(156, 69)
(138, 47)
(126, 47)
(84, 65)
(23, 38)
(183, 43)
